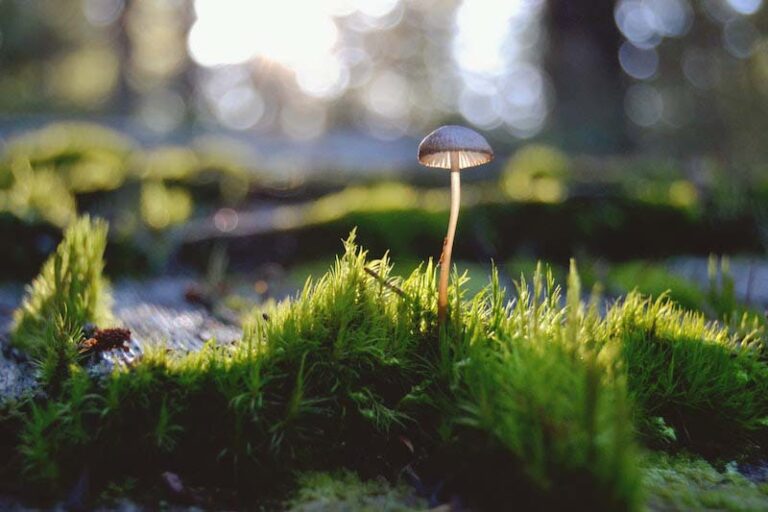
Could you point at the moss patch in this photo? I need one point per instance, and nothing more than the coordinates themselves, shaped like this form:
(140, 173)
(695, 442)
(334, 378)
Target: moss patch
(69, 293)
(532, 400)
(345, 491)
(681, 483)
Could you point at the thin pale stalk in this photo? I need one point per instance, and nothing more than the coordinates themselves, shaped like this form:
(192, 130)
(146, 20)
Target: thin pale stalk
(445, 257)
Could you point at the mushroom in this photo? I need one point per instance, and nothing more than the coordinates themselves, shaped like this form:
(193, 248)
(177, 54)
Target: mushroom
(454, 148)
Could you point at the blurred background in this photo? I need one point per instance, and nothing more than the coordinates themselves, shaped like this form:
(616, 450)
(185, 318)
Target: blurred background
(596, 77)
(246, 136)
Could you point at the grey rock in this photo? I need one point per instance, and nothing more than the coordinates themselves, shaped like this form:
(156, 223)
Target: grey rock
(154, 310)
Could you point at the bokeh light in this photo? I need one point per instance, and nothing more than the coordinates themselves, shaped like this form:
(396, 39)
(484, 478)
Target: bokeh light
(701, 68)
(644, 105)
(640, 63)
(498, 59)
(745, 6)
(389, 68)
(739, 38)
(103, 12)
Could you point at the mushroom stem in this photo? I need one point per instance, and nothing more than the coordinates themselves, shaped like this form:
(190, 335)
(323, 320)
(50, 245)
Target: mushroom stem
(445, 257)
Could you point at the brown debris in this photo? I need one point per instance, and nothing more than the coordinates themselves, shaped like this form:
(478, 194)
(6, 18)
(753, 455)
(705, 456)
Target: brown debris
(106, 339)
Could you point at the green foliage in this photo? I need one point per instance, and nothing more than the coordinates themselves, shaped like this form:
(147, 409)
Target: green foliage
(660, 182)
(162, 207)
(615, 228)
(718, 301)
(335, 376)
(212, 165)
(36, 195)
(705, 384)
(529, 383)
(88, 157)
(49, 175)
(69, 292)
(681, 483)
(345, 491)
(56, 427)
(536, 173)
(533, 401)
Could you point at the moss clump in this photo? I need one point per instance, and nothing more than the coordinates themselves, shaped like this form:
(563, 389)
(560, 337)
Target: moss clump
(345, 491)
(338, 376)
(527, 381)
(87, 157)
(690, 375)
(70, 292)
(56, 427)
(536, 173)
(529, 401)
(682, 483)
(163, 206)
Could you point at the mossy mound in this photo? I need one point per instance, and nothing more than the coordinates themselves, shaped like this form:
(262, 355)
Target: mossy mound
(533, 400)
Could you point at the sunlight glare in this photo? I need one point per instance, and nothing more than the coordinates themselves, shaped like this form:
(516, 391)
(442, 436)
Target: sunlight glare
(293, 33)
(497, 54)
(483, 27)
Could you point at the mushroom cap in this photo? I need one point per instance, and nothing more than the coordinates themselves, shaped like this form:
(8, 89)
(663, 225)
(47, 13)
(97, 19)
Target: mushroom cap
(435, 150)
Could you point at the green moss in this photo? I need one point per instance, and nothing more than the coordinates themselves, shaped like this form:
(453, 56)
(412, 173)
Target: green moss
(86, 156)
(51, 174)
(205, 170)
(37, 195)
(681, 483)
(338, 374)
(530, 384)
(536, 173)
(69, 293)
(162, 206)
(710, 387)
(56, 427)
(529, 402)
(615, 228)
(345, 491)
(477, 274)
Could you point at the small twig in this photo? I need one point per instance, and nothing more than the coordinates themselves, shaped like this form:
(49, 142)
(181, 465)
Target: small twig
(384, 282)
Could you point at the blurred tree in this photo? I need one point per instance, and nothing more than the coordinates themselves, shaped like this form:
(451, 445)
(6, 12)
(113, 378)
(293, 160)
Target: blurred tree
(25, 42)
(696, 71)
(582, 60)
